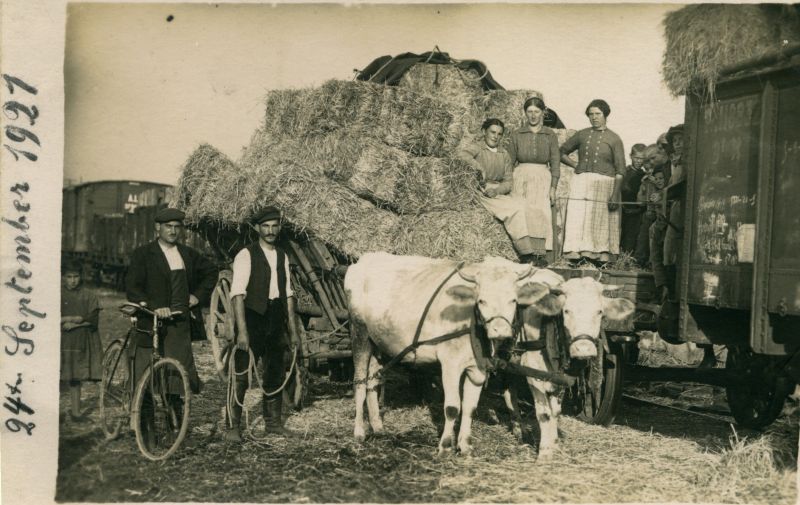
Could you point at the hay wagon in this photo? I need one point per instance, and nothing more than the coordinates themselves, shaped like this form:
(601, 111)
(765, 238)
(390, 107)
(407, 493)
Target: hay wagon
(317, 274)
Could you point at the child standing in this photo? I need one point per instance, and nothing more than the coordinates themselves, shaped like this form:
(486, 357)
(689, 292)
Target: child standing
(80, 341)
(650, 193)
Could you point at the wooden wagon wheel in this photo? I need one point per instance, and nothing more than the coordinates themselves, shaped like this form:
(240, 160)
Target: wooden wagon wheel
(221, 323)
(598, 406)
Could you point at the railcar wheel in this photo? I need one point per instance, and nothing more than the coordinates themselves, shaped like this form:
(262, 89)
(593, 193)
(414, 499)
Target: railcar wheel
(757, 396)
(115, 393)
(598, 407)
(221, 323)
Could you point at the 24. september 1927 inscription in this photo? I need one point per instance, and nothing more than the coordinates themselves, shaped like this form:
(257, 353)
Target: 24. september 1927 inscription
(23, 143)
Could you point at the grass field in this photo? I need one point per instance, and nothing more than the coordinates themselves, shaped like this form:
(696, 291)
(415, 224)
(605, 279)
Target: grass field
(648, 455)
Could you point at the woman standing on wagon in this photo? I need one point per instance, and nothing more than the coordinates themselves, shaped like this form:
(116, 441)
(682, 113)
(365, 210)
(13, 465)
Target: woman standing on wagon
(592, 226)
(534, 150)
(494, 165)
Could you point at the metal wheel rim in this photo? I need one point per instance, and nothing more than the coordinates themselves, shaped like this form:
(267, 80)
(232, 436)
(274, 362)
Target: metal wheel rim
(111, 423)
(182, 424)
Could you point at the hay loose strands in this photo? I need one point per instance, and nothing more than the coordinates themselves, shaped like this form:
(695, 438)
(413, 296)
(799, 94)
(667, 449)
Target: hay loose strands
(703, 39)
(210, 187)
(469, 235)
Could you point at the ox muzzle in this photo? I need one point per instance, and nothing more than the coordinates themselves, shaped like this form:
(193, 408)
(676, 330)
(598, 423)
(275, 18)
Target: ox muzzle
(583, 346)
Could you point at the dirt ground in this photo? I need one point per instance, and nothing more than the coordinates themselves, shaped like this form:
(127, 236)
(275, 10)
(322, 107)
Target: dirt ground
(649, 454)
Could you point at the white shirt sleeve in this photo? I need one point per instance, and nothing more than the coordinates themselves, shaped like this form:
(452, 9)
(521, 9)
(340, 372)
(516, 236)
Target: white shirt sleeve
(289, 290)
(241, 273)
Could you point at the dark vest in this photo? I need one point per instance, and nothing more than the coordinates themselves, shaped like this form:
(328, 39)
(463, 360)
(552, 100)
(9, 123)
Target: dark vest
(260, 277)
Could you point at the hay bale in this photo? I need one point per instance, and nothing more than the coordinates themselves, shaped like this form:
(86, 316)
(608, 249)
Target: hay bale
(385, 175)
(462, 235)
(447, 81)
(209, 187)
(420, 124)
(315, 205)
(463, 89)
(376, 173)
(703, 39)
(414, 184)
(261, 144)
(431, 184)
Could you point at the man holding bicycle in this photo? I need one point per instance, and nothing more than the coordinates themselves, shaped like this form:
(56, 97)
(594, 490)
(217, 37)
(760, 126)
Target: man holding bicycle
(263, 302)
(168, 278)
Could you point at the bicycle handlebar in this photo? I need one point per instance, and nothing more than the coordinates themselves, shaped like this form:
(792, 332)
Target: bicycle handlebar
(130, 309)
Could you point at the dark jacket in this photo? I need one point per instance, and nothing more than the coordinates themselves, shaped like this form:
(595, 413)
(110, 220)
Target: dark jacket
(149, 280)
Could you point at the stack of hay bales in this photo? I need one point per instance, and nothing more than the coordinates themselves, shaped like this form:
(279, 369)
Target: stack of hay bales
(366, 167)
(703, 39)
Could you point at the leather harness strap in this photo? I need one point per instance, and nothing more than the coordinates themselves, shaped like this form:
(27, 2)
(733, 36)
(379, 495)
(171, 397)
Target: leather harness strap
(447, 336)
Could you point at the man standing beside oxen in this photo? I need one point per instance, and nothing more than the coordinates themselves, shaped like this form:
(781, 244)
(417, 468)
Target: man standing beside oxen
(168, 277)
(263, 301)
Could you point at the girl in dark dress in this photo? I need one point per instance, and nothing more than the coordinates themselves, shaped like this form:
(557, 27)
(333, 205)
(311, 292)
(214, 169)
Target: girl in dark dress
(80, 341)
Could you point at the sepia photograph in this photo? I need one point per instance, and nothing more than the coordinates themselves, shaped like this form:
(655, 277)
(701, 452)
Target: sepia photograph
(409, 253)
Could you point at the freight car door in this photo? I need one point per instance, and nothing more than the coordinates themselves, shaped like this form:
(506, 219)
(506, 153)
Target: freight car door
(784, 267)
(775, 327)
(725, 178)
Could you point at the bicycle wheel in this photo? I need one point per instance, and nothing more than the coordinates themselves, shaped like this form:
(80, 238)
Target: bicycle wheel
(115, 393)
(161, 409)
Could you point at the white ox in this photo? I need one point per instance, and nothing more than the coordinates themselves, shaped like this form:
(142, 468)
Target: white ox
(583, 305)
(387, 295)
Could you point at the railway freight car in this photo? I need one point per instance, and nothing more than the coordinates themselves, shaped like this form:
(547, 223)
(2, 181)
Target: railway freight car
(103, 221)
(738, 276)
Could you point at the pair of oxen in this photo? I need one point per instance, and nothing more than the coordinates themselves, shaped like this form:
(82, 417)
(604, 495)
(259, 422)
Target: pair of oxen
(393, 297)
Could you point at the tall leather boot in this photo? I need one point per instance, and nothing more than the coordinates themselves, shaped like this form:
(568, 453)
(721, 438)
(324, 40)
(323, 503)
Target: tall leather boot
(234, 433)
(273, 417)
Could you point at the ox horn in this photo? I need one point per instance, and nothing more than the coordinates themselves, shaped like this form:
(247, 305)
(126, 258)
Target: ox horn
(525, 273)
(466, 276)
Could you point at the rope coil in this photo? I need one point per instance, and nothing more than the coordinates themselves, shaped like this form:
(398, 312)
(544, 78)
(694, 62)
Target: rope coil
(251, 368)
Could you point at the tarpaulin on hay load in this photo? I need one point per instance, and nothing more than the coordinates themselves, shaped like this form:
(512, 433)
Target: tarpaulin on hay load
(389, 70)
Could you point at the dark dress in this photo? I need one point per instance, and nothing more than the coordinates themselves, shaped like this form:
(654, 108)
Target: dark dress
(81, 353)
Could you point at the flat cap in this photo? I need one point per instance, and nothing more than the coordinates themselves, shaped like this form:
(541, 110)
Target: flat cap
(677, 129)
(266, 214)
(169, 214)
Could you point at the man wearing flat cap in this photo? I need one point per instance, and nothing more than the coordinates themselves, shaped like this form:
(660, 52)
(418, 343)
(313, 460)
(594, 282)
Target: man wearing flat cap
(166, 277)
(263, 303)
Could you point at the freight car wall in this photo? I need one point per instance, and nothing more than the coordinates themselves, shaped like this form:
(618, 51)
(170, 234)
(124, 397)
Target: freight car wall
(81, 204)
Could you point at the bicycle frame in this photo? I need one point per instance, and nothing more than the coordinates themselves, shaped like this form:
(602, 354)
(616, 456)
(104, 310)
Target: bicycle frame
(155, 356)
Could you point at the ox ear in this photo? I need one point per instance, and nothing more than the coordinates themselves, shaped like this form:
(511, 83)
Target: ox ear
(531, 292)
(617, 309)
(463, 294)
(550, 304)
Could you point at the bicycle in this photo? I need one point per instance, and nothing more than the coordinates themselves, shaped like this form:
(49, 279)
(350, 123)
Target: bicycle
(160, 436)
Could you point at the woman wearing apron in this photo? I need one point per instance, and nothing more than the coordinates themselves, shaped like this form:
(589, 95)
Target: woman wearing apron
(494, 165)
(533, 148)
(592, 227)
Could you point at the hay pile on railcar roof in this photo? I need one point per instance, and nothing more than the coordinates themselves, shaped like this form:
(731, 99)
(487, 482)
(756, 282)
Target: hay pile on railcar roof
(364, 166)
(703, 39)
